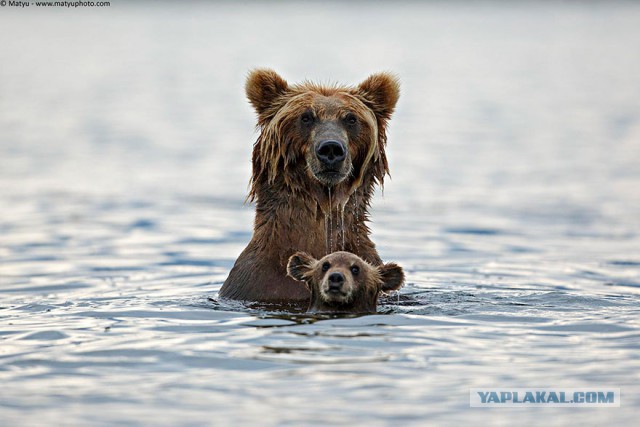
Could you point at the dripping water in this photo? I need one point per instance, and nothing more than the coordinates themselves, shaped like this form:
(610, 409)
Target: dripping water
(330, 231)
(356, 216)
(326, 227)
(342, 230)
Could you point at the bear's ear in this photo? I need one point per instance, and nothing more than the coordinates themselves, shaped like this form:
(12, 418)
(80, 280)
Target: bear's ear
(299, 265)
(392, 277)
(380, 92)
(263, 87)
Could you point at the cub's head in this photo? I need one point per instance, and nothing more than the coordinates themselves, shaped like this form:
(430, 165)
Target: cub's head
(325, 135)
(342, 282)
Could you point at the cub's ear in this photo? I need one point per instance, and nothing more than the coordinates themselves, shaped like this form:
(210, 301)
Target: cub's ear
(263, 87)
(299, 265)
(392, 277)
(380, 92)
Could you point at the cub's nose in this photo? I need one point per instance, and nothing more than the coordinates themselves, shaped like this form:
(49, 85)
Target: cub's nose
(331, 152)
(336, 280)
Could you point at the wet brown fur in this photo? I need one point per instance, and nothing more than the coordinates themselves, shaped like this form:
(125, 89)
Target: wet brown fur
(291, 204)
(360, 289)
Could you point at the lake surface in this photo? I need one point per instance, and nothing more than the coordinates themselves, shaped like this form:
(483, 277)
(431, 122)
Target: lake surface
(514, 207)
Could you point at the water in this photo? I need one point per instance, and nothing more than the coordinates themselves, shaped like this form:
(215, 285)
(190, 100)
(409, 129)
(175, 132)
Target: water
(513, 206)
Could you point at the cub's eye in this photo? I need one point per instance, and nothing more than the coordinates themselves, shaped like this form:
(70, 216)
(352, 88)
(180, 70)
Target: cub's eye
(325, 266)
(306, 118)
(351, 119)
(355, 270)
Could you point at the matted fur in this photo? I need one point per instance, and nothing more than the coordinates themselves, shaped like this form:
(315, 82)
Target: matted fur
(294, 209)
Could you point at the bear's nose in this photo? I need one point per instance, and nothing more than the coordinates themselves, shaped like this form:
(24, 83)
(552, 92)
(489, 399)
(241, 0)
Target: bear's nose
(331, 152)
(336, 280)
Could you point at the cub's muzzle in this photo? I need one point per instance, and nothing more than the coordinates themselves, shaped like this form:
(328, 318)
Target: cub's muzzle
(336, 280)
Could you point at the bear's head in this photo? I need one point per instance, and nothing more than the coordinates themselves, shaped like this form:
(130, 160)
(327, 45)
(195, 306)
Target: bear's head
(342, 282)
(323, 134)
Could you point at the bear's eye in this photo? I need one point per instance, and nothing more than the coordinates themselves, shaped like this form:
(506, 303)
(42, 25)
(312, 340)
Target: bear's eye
(351, 119)
(325, 266)
(306, 118)
(355, 270)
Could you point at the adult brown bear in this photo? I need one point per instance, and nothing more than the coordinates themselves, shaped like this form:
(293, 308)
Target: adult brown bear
(320, 152)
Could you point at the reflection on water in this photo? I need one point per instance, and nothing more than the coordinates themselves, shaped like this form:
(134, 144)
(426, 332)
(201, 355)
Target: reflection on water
(124, 160)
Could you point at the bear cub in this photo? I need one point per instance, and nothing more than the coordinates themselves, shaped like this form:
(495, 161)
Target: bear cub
(342, 282)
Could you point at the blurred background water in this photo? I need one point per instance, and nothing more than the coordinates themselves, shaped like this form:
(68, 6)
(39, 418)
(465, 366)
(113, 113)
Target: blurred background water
(514, 207)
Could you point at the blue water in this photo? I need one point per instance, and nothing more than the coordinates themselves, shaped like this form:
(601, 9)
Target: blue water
(513, 207)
